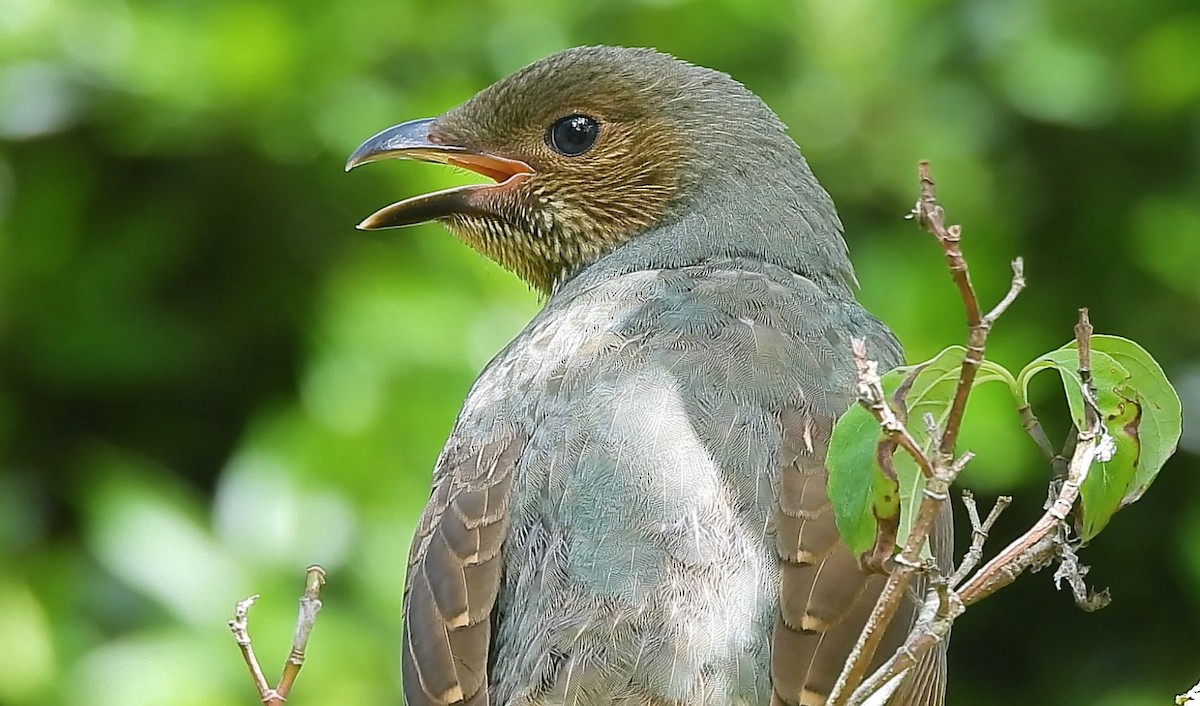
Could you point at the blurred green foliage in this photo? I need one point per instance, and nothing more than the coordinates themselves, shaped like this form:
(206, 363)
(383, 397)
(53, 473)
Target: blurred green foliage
(208, 379)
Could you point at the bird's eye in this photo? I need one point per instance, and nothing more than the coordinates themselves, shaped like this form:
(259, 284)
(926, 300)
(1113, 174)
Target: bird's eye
(573, 135)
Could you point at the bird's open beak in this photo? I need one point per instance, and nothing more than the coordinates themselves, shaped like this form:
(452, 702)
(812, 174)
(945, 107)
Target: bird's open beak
(412, 140)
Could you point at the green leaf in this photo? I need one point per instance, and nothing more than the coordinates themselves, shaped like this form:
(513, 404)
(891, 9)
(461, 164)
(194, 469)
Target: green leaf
(864, 497)
(911, 482)
(854, 476)
(1102, 491)
(1139, 410)
(1107, 480)
(1157, 430)
(1108, 374)
(932, 392)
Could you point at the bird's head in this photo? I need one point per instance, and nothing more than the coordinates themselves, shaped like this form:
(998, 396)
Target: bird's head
(593, 146)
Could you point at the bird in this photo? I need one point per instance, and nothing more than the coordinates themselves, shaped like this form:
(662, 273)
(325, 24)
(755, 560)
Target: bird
(631, 505)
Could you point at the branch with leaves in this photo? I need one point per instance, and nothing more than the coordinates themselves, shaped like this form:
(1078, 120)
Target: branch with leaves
(1126, 418)
(310, 605)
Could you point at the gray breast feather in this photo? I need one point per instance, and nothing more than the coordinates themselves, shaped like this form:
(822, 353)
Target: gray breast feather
(639, 563)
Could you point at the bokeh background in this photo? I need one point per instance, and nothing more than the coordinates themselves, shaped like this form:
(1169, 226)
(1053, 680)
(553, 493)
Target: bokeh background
(209, 379)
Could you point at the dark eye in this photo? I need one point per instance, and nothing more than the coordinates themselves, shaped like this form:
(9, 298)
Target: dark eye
(573, 135)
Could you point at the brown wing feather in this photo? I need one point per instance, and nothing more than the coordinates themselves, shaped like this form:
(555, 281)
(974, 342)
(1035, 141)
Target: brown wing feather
(454, 575)
(825, 598)
(926, 682)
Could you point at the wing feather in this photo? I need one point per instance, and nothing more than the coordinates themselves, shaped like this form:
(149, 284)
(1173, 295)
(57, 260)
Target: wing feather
(454, 574)
(825, 598)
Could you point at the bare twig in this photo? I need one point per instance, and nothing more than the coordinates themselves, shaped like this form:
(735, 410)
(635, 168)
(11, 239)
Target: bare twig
(1014, 288)
(979, 534)
(933, 627)
(940, 470)
(1083, 343)
(908, 561)
(870, 395)
(239, 626)
(310, 605)
(905, 565)
(1033, 427)
(1044, 541)
(932, 217)
(1072, 571)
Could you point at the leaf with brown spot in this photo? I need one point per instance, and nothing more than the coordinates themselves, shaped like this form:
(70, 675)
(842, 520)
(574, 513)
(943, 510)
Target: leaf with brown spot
(1140, 411)
(865, 495)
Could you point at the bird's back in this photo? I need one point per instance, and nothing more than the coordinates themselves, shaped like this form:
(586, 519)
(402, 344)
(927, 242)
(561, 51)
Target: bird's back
(658, 415)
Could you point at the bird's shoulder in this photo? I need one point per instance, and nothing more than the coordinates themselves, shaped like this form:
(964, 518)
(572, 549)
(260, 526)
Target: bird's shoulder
(754, 328)
(706, 346)
(725, 334)
(722, 335)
